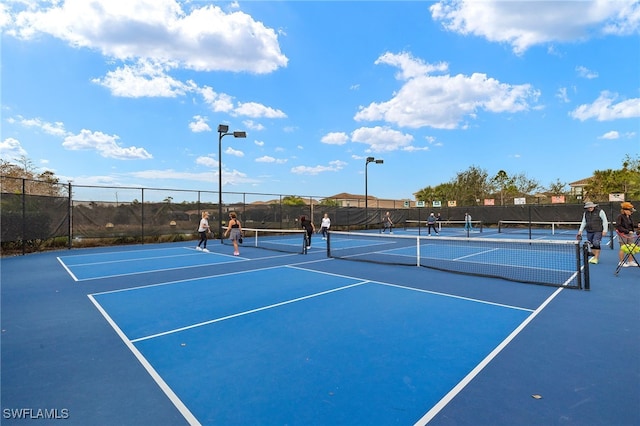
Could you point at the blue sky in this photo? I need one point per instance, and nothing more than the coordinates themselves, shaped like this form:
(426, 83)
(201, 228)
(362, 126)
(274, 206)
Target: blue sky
(131, 92)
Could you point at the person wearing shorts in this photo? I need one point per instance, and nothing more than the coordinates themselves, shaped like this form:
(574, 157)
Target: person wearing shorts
(594, 221)
(234, 232)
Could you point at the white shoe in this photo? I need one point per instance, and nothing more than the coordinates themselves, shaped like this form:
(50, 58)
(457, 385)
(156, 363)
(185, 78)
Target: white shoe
(632, 263)
(198, 248)
(626, 264)
(207, 250)
(308, 247)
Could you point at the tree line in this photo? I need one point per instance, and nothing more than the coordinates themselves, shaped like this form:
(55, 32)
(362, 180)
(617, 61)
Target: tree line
(470, 187)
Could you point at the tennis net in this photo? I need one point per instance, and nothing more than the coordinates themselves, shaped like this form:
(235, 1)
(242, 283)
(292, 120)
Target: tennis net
(283, 240)
(449, 226)
(546, 262)
(538, 227)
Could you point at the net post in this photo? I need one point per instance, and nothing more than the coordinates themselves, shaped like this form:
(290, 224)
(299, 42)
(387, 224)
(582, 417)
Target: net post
(585, 257)
(328, 243)
(418, 250)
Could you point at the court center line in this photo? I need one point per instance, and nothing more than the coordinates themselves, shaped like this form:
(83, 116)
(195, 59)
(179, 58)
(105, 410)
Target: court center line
(239, 314)
(436, 293)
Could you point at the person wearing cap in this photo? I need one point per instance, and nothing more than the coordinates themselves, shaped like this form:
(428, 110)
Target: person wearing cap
(594, 221)
(626, 231)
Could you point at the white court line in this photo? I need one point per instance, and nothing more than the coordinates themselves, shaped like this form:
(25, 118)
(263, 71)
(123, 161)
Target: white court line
(206, 277)
(437, 293)
(251, 311)
(478, 368)
(67, 269)
(138, 259)
(186, 413)
(151, 271)
(107, 253)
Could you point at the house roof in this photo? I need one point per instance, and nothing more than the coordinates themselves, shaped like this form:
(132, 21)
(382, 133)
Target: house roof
(347, 196)
(581, 182)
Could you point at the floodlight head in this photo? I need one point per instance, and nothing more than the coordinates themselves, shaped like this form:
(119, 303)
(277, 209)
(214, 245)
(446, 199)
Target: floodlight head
(239, 134)
(379, 161)
(370, 159)
(223, 128)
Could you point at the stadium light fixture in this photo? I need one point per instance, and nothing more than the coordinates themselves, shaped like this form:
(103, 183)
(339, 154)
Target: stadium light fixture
(223, 130)
(366, 191)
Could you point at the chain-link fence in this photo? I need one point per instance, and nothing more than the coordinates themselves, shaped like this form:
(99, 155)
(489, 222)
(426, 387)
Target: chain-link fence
(37, 215)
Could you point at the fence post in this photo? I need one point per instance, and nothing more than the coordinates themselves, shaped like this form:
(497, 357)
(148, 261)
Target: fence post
(24, 217)
(69, 218)
(142, 214)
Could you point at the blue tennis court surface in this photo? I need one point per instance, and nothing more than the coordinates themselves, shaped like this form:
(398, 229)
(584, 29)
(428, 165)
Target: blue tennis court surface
(167, 335)
(304, 347)
(104, 265)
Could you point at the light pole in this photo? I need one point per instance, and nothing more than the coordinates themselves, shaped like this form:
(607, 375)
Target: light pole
(366, 192)
(223, 130)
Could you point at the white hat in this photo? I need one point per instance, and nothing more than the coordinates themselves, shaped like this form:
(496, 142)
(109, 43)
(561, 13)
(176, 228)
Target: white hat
(589, 204)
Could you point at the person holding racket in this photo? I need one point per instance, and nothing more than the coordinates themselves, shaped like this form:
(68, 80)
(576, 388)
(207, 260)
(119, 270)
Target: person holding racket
(387, 223)
(307, 225)
(234, 232)
(203, 228)
(594, 221)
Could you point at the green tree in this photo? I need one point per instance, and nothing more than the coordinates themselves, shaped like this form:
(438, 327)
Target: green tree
(503, 185)
(557, 188)
(471, 185)
(329, 202)
(625, 181)
(293, 200)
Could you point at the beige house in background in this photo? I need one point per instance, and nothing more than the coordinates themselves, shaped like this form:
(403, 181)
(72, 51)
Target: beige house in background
(577, 187)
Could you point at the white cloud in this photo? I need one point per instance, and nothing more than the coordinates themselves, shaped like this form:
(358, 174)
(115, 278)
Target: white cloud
(55, 129)
(219, 102)
(604, 108)
(207, 161)
(443, 101)
(333, 166)
(252, 125)
(106, 145)
(335, 138)
(199, 124)
(234, 152)
(523, 24)
(143, 79)
(585, 72)
(10, 149)
(269, 159)
(203, 38)
(256, 110)
(381, 139)
(562, 95)
(610, 135)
